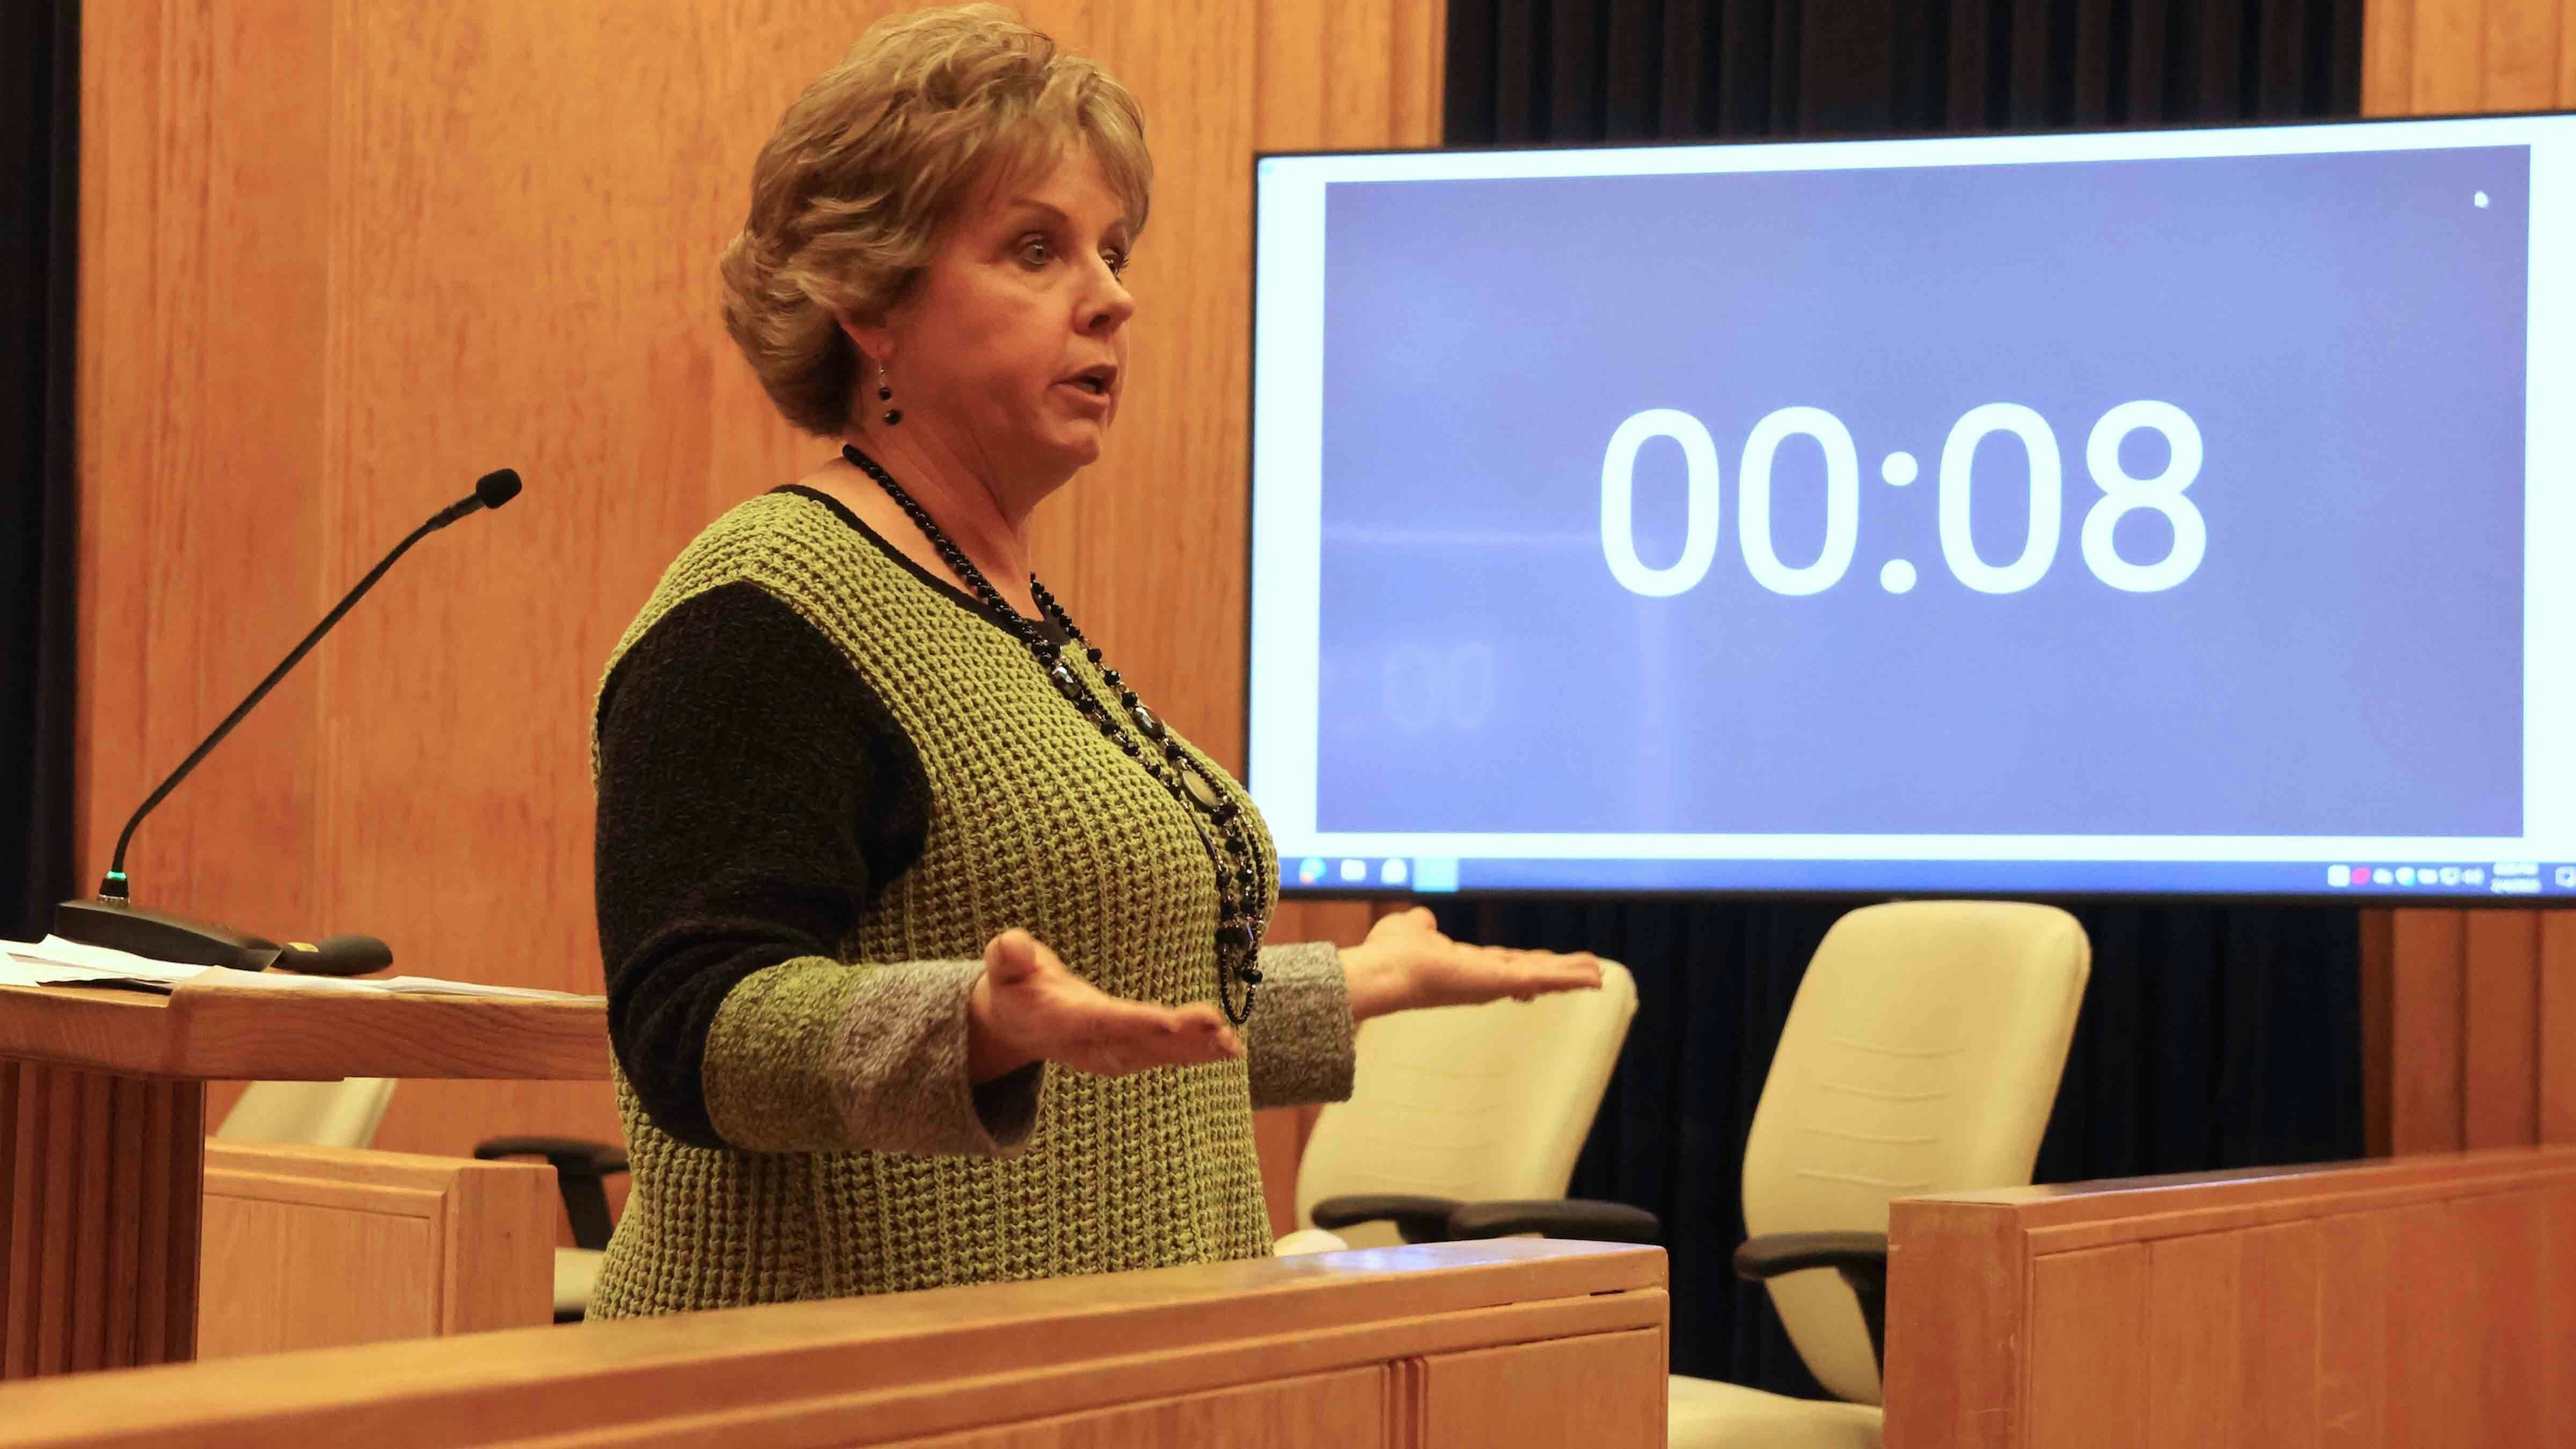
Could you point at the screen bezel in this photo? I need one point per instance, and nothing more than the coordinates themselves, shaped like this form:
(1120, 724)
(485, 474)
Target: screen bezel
(1290, 890)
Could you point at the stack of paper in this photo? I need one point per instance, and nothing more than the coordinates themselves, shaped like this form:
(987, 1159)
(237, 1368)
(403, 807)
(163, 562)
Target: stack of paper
(54, 961)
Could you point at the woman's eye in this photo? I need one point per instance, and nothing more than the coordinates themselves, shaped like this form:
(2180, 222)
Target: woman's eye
(1033, 252)
(1117, 263)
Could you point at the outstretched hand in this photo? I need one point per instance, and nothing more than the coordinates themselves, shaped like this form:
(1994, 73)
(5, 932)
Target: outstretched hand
(1027, 1007)
(1407, 963)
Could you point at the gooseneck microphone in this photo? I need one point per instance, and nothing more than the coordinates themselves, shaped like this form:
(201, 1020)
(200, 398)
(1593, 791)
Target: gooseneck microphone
(113, 921)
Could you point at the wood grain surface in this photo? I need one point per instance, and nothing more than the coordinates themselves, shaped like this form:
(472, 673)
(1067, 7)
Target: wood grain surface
(2470, 1015)
(315, 1247)
(337, 260)
(1578, 1392)
(214, 1029)
(102, 1153)
(903, 1368)
(99, 1202)
(1342, 1408)
(2089, 1346)
(2421, 1303)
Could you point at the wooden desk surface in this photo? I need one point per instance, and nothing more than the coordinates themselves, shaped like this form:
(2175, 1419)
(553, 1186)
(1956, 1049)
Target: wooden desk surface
(875, 1369)
(211, 1032)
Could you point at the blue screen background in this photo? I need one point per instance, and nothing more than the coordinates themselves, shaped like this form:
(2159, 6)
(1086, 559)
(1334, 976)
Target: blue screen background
(2347, 331)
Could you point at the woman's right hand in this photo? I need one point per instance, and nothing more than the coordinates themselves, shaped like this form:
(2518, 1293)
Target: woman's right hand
(1028, 1008)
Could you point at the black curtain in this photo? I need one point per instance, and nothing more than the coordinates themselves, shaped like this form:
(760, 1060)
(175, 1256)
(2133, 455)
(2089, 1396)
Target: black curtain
(2212, 1037)
(39, 166)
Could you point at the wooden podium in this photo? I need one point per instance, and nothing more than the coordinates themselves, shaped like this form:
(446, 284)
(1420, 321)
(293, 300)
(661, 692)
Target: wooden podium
(102, 1133)
(1449, 1346)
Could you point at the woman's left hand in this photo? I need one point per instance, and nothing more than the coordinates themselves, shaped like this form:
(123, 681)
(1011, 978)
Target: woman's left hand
(1406, 963)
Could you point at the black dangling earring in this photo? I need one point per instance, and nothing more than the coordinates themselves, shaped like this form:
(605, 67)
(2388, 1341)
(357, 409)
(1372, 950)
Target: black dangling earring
(885, 394)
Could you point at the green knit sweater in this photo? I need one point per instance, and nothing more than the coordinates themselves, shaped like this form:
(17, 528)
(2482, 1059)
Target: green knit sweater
(825, 780)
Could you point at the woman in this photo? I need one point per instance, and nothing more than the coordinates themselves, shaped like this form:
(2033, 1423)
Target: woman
(933, 957)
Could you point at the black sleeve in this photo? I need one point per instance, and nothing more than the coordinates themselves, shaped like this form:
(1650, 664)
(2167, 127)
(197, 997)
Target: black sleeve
(755, 797)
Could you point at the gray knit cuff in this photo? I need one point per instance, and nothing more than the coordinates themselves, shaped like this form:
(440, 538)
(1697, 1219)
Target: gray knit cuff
(899, 1069)
(1298, 1044)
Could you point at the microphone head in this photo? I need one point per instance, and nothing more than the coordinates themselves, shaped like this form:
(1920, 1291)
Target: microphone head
(497, 487)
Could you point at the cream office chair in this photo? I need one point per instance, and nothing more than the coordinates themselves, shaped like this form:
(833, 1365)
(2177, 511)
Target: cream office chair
(1464, 1122)
(344, 1113)
(1922, 1054)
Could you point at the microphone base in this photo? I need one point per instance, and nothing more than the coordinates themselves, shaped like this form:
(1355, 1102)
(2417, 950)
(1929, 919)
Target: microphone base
(161, 936)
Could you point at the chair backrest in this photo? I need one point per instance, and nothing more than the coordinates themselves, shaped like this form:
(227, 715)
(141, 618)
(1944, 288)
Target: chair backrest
(309, 1114)
(1922, 1054)
(1470, 1102)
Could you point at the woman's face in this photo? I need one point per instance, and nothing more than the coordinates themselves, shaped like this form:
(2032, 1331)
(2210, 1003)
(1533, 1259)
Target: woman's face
(1009, 350)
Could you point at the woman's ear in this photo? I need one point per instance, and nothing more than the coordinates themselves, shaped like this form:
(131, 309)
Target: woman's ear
(874, 340)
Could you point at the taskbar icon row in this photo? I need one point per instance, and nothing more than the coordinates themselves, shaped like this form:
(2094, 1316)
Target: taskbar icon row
(1405, 873)
(2503, 877)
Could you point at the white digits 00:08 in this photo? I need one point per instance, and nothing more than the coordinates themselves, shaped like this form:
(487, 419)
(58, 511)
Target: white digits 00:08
(2122, 494)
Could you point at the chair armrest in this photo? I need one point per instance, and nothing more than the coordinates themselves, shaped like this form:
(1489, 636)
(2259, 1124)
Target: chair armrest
(1417, 1219)
(570, 1155)
(580, 1166)
(1586, 1218)
(1860, 1258)
(1773, 1254)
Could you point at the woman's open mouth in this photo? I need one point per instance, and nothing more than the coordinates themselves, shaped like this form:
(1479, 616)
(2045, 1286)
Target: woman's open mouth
(1095, 381)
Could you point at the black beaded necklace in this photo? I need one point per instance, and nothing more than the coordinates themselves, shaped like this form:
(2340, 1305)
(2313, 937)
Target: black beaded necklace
(1223, 831)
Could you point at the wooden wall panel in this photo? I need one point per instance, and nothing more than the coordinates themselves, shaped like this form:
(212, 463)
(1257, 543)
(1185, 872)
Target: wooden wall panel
(2468, 1035)
(2422, 1304)
(265, 1312)
(2192, 1332)
(2427, 998)
(340, 258)
(2424, 1367)
(2281, 1272)
(2387, 57)
(2089, 1350)
(2356, 1327)
(1570, 1391)
(2555, 1277)
(90, 1238)
(2502, 1239)
(2232, 1337)
(2566, 57)
(2499, 1028)
(2557, 1017)
(2520, 55)
(321, 1247)
(202, 412)
(1341, 1408)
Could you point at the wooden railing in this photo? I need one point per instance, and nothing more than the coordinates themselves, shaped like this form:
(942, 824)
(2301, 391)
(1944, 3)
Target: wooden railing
(2424, 1303)
(324, 1247)
(1454, 1346)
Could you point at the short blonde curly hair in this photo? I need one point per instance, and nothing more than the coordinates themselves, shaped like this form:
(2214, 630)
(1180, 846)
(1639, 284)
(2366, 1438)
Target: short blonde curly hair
(848, 197)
